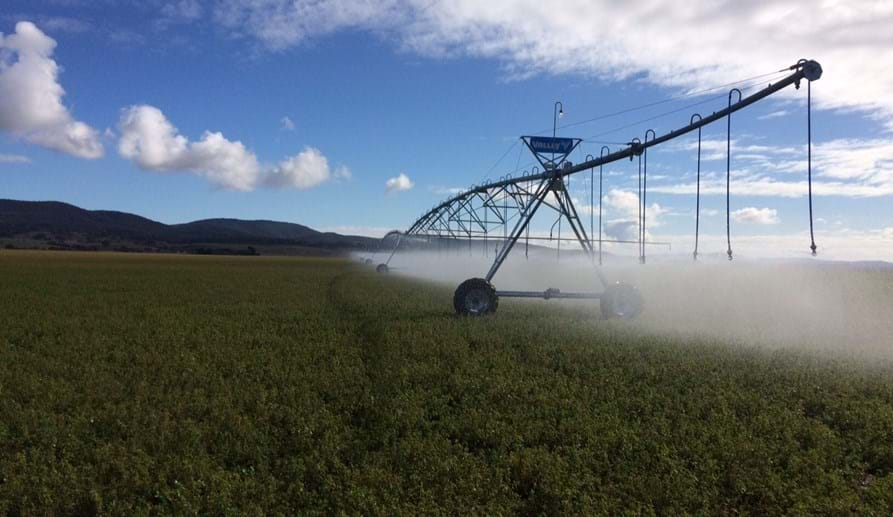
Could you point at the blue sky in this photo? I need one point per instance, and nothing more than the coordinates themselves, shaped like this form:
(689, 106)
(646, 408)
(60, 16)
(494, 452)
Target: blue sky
(437, 93)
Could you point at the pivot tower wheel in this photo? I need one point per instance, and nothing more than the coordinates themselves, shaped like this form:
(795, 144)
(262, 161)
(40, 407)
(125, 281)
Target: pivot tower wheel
(475, 297)
(382, 268)
(368, 262)
(621, 301)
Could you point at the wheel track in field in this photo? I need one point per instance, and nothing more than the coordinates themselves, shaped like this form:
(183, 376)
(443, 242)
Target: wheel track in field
(368, 330)
(370, 337)
(369, 324)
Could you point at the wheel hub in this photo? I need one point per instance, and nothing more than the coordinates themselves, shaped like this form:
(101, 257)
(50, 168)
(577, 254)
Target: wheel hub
(476, 301)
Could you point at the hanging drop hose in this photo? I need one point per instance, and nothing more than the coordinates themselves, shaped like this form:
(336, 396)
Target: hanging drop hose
(636, 147)
(552, 229)
(600, 197)
(729, 173)
(486, 231)
(587, 158)
(645, 193)
(560, 216)
(527, 230)
(642, 195)
(505, 218)
(591, 200)
(812, 245)
(640, 208)
(698, 190)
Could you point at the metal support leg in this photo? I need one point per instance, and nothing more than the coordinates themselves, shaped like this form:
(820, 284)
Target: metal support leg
(567, 206)
(393, 251)
(522, 224)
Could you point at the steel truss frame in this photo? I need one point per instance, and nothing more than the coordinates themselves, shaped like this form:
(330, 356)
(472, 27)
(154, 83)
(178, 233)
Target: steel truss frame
(513, 201)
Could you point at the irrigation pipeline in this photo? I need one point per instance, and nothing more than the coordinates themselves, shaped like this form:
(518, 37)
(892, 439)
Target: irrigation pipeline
(744, 84)
(809, 70)
(592, 139)
(440, 218)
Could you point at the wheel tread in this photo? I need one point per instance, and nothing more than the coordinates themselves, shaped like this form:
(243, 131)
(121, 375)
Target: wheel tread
(470, 285)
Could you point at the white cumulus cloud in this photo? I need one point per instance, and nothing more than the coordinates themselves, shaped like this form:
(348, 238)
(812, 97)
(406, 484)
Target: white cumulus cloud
(153, 143)
(622, 211)
(756, 215)
(626, 203)
(398, 183)
(343, 173)
(305, 170)
(31, 105)
(622, 229)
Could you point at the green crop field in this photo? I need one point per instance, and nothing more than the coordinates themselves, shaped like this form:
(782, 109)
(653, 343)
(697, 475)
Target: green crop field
(153, 384)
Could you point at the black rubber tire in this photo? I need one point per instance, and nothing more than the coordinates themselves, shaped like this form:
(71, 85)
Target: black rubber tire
(382, 268)
(368, 262)
(475, 297)
(621, 301)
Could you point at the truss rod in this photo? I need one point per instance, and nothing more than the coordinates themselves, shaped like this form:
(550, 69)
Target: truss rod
(809, 70)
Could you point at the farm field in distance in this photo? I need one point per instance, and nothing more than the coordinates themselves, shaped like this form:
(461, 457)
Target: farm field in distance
(138, 384)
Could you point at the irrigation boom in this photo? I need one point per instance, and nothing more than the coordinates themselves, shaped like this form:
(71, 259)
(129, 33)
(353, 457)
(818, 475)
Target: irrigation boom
(510, 203)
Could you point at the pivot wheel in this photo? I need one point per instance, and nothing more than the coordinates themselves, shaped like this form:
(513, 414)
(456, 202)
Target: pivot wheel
(368, 261)
(475, 297)
(382, 268)
(621, 301)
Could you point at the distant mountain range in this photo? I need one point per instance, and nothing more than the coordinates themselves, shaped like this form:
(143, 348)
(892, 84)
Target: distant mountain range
(55, 225)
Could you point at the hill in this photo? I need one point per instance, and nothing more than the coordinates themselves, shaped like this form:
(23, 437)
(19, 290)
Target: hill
(56, 225)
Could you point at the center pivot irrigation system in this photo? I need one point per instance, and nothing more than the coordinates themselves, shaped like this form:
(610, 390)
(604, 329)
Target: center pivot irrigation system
(507, 206)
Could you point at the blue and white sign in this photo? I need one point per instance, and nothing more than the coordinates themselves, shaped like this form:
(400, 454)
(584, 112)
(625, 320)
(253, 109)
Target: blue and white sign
(543, 144)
